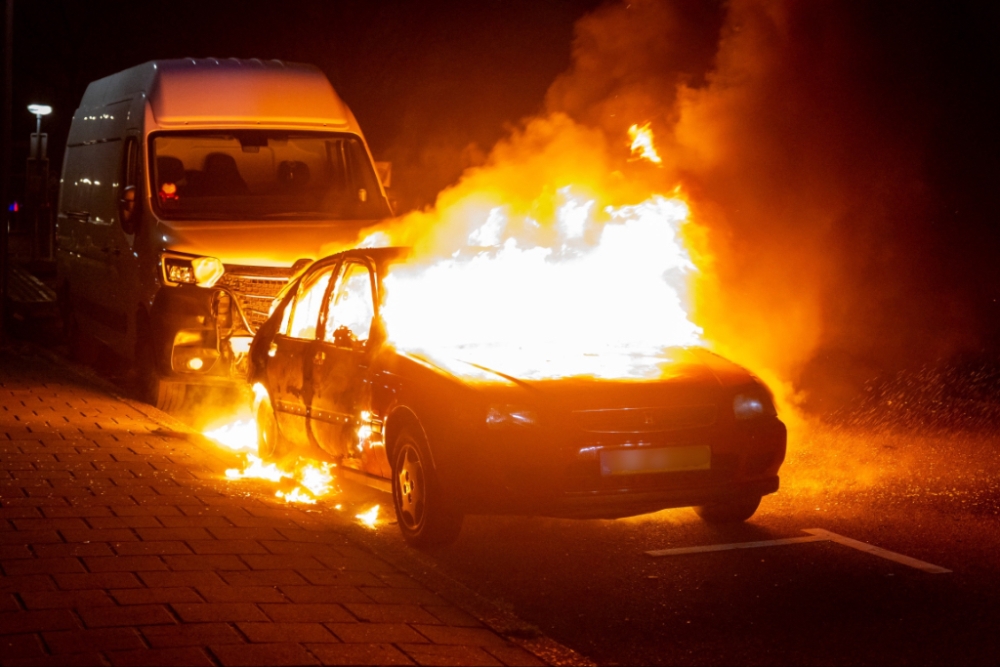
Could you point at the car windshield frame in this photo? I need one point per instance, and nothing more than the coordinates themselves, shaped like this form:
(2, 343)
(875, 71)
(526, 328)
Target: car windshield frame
(358, 175)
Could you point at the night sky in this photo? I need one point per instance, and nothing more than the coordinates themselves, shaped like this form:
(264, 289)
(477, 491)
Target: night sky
(884, 114)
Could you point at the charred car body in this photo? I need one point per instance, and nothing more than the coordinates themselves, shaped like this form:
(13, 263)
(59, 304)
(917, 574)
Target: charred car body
(191, 190)
(451, 437)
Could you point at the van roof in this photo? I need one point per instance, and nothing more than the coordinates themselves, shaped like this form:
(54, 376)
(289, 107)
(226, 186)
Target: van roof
(200, 92)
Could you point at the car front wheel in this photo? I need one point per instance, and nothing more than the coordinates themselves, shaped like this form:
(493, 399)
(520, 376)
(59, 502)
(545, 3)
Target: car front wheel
(270, 444)
(733, 511)
(425, 517)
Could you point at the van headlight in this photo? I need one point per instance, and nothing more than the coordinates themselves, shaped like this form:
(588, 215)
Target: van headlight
(752, 404)
(504, 416)
(200, 271)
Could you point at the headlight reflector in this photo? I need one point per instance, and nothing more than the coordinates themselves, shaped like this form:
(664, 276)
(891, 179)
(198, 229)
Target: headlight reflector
(753, 404)
(506, 416)
(201, 271)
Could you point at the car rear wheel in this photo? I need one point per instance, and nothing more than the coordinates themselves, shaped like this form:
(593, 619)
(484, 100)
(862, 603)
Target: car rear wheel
(270, 445)
(425, 516)
(733, 511)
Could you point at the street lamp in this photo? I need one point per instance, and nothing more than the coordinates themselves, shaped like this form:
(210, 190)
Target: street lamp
(39, 110)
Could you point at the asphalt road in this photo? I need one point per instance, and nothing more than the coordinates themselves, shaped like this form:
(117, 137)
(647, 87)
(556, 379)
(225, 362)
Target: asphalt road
(591, 586)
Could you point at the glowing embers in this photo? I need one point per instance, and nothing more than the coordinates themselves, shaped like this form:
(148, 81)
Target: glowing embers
(642, 144)
(592, 292)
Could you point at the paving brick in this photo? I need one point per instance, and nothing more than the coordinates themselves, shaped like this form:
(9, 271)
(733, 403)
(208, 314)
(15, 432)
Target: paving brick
(514, 655)
(399, 580)
(204, 562)
(197, 522)
(165, 657)
(182, 534)
(19, 622)
(218, 612)
(241, 594)
(27, 582)
(419, 596)
(263, 654)
(146, 510)
(342, 578)
(175, 579)
(64, 550)
(324, 594)
(272, 562)
(125, 564)
(426, 654)
(47, 524)
(106, 617)
(300, 548)
(442, 634)
(453, 616)
(359, 654)
(8, 603)
(97, 580)
(41, 566)
(29, 537)
(168, 548)
(235, 547)
(263, 578)
(20, 647)
(191, 634)
(281, 632)
(390, 613)
(19, 513)
(306, 613)
(14, 552)
(65, 599)
(236, 533)
(107, 535)
(376, 633)
(86, 512)
(107, 522)
(130, 596)
(102, 639)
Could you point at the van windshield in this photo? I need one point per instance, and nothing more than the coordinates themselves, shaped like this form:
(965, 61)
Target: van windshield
(263, 174)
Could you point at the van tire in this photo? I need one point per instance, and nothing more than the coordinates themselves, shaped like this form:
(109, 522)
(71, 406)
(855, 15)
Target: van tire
(153, 389)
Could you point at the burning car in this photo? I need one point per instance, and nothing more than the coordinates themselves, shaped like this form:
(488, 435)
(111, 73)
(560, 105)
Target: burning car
(453, 431)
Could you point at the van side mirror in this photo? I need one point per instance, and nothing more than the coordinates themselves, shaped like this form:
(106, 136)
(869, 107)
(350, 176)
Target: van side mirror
(128, 209)
(384, 171)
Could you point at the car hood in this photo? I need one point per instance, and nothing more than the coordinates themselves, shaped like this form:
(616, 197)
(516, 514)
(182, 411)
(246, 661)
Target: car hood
(261, 242)
(683, 374)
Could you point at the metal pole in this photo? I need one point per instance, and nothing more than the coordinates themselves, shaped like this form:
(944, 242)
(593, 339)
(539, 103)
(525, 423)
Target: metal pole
(8, 104)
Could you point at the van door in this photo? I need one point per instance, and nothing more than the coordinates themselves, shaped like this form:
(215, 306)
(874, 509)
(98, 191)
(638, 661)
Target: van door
(124, 254)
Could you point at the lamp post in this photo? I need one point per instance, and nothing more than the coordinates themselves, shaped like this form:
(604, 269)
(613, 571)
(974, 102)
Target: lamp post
(37, 190)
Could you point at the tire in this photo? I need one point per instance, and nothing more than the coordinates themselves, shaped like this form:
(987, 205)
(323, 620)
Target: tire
(153, 389)
(733, 511)
(423, 512)
(270, 445)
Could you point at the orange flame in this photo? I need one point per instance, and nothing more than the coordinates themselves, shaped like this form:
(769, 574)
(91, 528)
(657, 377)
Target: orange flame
(642, 144)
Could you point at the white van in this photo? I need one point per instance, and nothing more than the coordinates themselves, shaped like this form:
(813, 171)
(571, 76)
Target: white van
(191, 191)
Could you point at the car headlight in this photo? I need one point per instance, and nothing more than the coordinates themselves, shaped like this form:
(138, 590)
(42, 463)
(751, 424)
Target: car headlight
(505, 416)
(200, 271)
(753, 404)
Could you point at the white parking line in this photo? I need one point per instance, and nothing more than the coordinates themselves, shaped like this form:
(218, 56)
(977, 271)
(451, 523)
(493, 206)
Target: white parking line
(815, 535)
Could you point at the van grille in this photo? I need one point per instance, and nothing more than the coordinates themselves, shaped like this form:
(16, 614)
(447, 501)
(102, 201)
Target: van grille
(255, 288)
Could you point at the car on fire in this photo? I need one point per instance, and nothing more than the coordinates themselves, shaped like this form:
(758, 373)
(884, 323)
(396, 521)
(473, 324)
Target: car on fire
(451, 437)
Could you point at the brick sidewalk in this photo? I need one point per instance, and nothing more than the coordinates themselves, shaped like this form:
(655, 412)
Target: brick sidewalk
(121, 544)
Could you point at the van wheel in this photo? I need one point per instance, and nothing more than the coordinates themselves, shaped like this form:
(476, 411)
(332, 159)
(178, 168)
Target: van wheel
(153, 389)
(733, 511)
(423, 512)
(270, 445)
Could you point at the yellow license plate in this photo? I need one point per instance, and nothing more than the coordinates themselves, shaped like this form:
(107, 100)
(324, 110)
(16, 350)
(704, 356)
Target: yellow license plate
(665, 459)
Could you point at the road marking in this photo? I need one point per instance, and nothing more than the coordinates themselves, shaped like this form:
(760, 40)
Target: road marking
(815, 535)
(739, 545)
(878, 551)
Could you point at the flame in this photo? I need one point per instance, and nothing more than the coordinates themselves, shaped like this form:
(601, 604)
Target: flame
(642, 144)
(312, 479)
(369, 517)
(594, 291)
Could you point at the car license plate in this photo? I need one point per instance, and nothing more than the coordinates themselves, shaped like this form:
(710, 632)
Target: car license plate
(665, 459)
